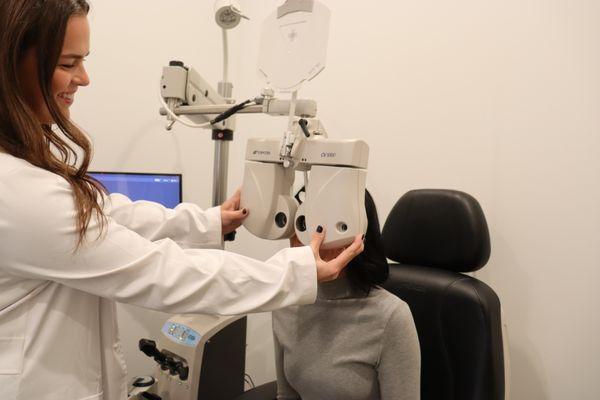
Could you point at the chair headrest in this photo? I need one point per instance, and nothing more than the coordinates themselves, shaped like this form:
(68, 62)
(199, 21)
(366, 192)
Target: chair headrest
(437, 228)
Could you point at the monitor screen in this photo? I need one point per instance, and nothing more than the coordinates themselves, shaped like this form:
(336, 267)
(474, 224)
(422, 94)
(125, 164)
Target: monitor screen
(161, 188)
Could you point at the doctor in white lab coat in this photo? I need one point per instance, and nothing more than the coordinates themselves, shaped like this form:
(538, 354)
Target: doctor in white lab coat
(68, 252)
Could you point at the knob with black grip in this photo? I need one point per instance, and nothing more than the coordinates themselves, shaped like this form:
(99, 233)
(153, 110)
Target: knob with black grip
(184, 372)
(171, 365)
(148, 347)
(150, 396)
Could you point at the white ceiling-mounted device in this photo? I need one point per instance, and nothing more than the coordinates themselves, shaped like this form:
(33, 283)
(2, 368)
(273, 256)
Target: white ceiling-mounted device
(293, 45)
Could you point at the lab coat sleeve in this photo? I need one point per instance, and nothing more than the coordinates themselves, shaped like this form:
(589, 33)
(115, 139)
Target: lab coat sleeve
(39, 236)
(186, 224)
(399, 367)
(284, 389)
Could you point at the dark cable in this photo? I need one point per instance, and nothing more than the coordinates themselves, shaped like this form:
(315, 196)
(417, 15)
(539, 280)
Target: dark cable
(297, 196)
(251, 381)
(228, 113)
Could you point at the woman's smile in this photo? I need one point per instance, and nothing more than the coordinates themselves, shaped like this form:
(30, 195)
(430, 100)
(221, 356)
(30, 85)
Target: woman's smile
(66, 98)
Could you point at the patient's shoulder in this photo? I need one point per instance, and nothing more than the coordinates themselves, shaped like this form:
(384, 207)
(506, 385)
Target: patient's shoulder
(387, 299)
(394, 310)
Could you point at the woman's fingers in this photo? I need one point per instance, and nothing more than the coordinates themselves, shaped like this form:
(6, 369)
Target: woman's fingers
(357, 247)
(328, 271)
(233, 203)
(317, 240)
(231, 215)
(235, 198)
(231, 220)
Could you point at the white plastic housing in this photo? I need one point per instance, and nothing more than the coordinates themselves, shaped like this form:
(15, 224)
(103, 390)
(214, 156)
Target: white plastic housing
(313, 151)
(335, 199)
(266, 193)
(340, 152)
(188, 86)
(263, 149)
(171, 387)
(304, 107)
(174, 82)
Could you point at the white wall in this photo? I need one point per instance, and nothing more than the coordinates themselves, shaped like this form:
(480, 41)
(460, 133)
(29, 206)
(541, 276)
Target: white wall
(496, 98)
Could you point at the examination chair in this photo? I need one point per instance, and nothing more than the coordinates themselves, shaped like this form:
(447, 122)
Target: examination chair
(434, 237)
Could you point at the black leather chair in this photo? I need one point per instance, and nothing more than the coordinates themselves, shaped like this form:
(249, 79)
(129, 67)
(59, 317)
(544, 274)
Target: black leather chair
(434, 236)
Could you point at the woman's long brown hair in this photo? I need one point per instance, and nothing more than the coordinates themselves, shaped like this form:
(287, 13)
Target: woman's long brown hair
(41, 25)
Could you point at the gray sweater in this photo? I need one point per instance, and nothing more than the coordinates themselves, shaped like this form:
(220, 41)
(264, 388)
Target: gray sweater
(347, 346)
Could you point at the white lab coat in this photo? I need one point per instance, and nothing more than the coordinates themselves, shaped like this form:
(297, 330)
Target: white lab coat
(58, 330)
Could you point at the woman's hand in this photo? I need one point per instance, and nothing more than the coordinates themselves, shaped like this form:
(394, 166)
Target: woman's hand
(231, 215)
(330, 270)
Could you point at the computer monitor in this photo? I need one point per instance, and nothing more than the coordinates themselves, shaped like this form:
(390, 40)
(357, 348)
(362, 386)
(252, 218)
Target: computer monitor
(161, 188)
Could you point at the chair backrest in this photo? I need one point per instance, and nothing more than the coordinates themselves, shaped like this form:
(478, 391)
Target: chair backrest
(435, 235)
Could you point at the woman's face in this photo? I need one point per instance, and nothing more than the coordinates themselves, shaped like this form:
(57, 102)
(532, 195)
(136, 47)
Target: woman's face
(330, 254)
(326, 255)
(68, 75)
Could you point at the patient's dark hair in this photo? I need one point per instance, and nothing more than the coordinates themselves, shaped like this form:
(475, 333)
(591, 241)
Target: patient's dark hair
(370, 268)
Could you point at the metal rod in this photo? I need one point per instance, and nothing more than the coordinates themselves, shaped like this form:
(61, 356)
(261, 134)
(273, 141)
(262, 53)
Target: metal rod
(212, 109)
(220, 172)
(303, 108)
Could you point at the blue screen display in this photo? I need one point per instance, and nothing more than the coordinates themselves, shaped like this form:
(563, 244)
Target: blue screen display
(163, 189)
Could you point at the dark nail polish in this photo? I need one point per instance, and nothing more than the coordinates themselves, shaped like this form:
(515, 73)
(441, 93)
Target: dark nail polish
(244, 211)
(319, 229)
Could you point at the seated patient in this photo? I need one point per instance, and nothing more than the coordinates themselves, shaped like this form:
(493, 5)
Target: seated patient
(357, 342)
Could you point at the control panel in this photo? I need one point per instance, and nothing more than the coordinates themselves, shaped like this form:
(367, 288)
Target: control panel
(181, 334)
